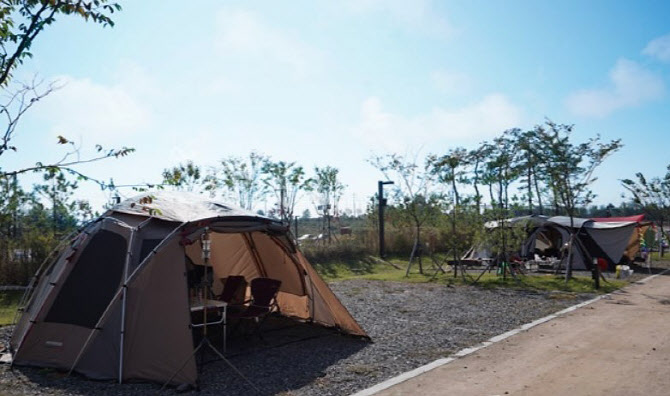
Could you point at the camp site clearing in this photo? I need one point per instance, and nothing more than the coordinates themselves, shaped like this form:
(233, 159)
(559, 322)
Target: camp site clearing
(160, 314)
(411, 324)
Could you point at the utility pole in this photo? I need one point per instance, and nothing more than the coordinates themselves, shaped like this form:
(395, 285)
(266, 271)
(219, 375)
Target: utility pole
(382, 204)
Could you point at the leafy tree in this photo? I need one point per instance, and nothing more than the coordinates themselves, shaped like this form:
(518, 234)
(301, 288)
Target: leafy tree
(502, 166)
(286, 180)
(241, 179)
(653, 195)
(186, 177)
(528, 163)
(451, 169)
(477, 158)
(58, 191)
(21, 21)
(501, 171)
(569, 169)
(414, 192)
(32, 223)
(12, 199)
(329, 190)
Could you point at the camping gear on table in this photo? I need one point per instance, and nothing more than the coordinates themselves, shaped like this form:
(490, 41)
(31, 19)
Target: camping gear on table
(114, 303)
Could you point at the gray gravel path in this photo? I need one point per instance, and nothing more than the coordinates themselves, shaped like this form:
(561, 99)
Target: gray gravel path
(410, 325)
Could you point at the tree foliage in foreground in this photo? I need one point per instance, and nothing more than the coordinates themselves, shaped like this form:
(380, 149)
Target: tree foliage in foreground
(652, 195)
(21, 22)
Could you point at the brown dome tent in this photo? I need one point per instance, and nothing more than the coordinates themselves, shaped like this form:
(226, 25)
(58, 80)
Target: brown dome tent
(114, 301)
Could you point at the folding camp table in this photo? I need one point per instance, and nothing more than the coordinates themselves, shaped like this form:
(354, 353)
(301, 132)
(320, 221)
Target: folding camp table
(200, 305)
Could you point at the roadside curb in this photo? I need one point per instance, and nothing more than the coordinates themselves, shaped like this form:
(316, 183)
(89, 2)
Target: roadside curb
(470, 350)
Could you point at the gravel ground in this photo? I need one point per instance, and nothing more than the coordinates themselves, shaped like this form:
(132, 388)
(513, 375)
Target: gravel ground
(410, 325)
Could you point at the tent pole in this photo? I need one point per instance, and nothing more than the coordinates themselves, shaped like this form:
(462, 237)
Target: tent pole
(129, 255)
(254, 254)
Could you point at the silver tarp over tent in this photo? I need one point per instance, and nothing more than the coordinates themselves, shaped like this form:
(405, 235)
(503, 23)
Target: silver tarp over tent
(607, 240)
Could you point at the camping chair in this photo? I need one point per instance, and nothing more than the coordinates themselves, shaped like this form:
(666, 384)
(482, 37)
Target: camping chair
(233, 294)
(263, 301)
(234, 290)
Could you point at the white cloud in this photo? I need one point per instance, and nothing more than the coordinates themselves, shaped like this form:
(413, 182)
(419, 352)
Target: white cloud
(451, 82)
(468, 124)
(92, 113)
(631, 85)
(245, 33)
(659, 48)
(417, 15)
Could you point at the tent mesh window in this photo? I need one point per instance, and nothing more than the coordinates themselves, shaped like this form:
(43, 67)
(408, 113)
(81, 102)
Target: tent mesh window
(92, 282)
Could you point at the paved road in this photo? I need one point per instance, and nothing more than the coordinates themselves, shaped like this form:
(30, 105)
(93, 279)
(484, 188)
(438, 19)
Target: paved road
(615, 346)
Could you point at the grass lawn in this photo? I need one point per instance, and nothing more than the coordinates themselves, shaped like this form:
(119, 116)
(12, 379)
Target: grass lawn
(9, 300)
(544, 282)
(656, 258)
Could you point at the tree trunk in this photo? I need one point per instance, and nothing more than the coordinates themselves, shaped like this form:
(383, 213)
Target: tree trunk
(453, 186)
(417, 244)
(282, 210)
(453, 246)
(501, 217)
(475, 184)
(530, 187)
(491, 193)
(571, 247)
(661, 249)
(568, 263)
(537, 193)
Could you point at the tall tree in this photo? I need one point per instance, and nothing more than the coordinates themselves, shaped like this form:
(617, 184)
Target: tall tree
(477, 159)
(239, 178)
(415, 193)
(329, 190)
(187, 177)
(502, 171)
(503, 166)
(570, 169)
(286, 180)
(653, 195)
(529, 161)
(451, 169)
(57, 190)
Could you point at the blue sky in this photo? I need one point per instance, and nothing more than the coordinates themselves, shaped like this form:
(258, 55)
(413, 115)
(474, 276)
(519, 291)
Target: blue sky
(331, 83)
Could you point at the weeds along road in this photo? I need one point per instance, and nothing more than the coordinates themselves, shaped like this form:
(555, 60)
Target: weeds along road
(619, 345)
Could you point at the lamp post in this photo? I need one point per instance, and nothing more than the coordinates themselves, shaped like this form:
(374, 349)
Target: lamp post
(382, 204)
